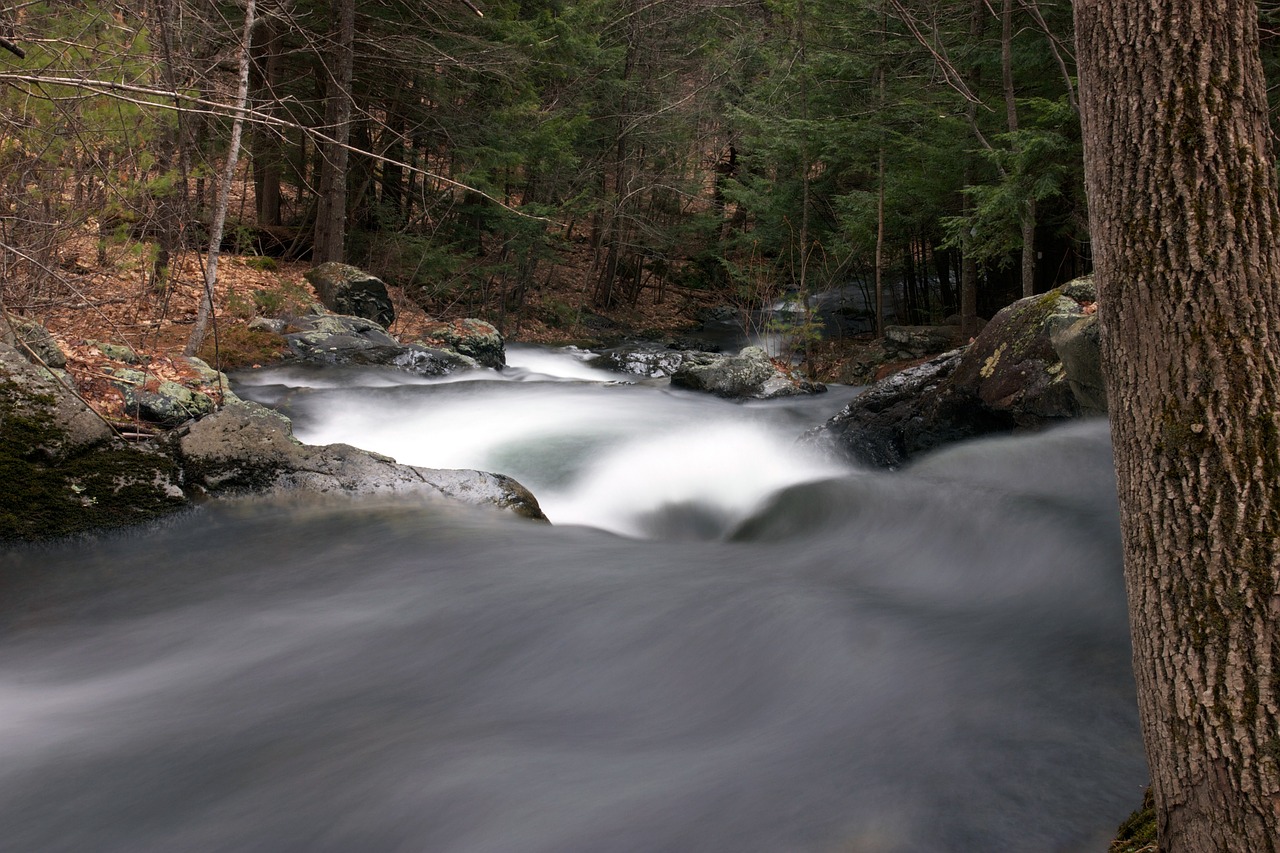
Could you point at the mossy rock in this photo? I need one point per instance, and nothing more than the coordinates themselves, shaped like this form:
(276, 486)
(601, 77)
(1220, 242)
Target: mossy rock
(473, 338)
(33, 341)
(1012, 365)
(345, 289)
(63, 472)
(166, 404)
(94, 490)
(1010, 378)
(116, 352)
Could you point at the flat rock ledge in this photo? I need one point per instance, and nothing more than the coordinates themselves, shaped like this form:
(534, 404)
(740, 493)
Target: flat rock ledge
(248, 448)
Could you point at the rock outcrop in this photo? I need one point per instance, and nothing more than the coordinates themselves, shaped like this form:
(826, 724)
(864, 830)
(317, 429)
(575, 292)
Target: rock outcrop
(1010, 378)
(67, 471)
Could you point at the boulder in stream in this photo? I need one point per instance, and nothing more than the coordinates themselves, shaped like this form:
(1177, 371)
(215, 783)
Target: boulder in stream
(1010, 378)
(648, 360)
(750, 374)
(342, 339)
(473, 338)
(248, 448)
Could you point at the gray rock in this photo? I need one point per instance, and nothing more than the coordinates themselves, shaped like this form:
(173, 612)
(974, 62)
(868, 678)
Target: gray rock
(33, 341)
(338, 339)
(117, 352)
(1010, 378)
(651, 361)
(748, 375)
(59, 424)
(1077, 345)
(246, 447)
(908, 342)
(209, 376)
(345, 289)
(274, 325)
(166, 404)
(475, 339)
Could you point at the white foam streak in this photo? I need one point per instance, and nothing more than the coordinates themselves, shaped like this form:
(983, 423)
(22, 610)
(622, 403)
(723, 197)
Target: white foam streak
(609, 457)
(563, 363)
(724, 469)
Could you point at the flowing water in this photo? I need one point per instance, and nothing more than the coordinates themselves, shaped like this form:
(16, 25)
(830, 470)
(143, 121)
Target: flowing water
(722, 643)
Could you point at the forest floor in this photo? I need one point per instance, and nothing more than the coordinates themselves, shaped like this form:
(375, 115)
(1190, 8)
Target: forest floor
(94, 298)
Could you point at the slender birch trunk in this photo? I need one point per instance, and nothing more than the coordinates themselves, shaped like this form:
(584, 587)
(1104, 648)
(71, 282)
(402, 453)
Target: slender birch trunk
(224, 188)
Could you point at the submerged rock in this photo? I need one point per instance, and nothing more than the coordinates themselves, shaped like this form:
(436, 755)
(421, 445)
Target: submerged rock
(1010, 378)
(748, 375)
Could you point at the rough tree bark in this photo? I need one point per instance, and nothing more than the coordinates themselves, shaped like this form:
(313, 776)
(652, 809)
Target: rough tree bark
(1183, 214)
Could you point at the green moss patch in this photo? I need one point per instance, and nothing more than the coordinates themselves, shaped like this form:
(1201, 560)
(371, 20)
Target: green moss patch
(1138, 833)
(101, 487)
(239, 346)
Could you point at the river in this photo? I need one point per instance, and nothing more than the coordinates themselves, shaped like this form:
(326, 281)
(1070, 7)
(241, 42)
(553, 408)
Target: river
(722, 643)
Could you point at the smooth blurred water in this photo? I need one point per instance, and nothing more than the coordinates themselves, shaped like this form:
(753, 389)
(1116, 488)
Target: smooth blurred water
(636, 458)
(811, 659)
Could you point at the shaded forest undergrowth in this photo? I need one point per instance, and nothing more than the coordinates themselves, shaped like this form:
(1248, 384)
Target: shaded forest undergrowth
(99, 298)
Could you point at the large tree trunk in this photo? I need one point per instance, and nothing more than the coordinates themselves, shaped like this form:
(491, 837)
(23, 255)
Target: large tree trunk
(331, 215)
(1183, 213)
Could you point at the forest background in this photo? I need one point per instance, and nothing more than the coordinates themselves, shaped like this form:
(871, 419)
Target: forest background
(537, 163)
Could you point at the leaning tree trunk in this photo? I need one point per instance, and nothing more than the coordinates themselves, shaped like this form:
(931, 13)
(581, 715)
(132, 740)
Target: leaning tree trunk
(1185, 228)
